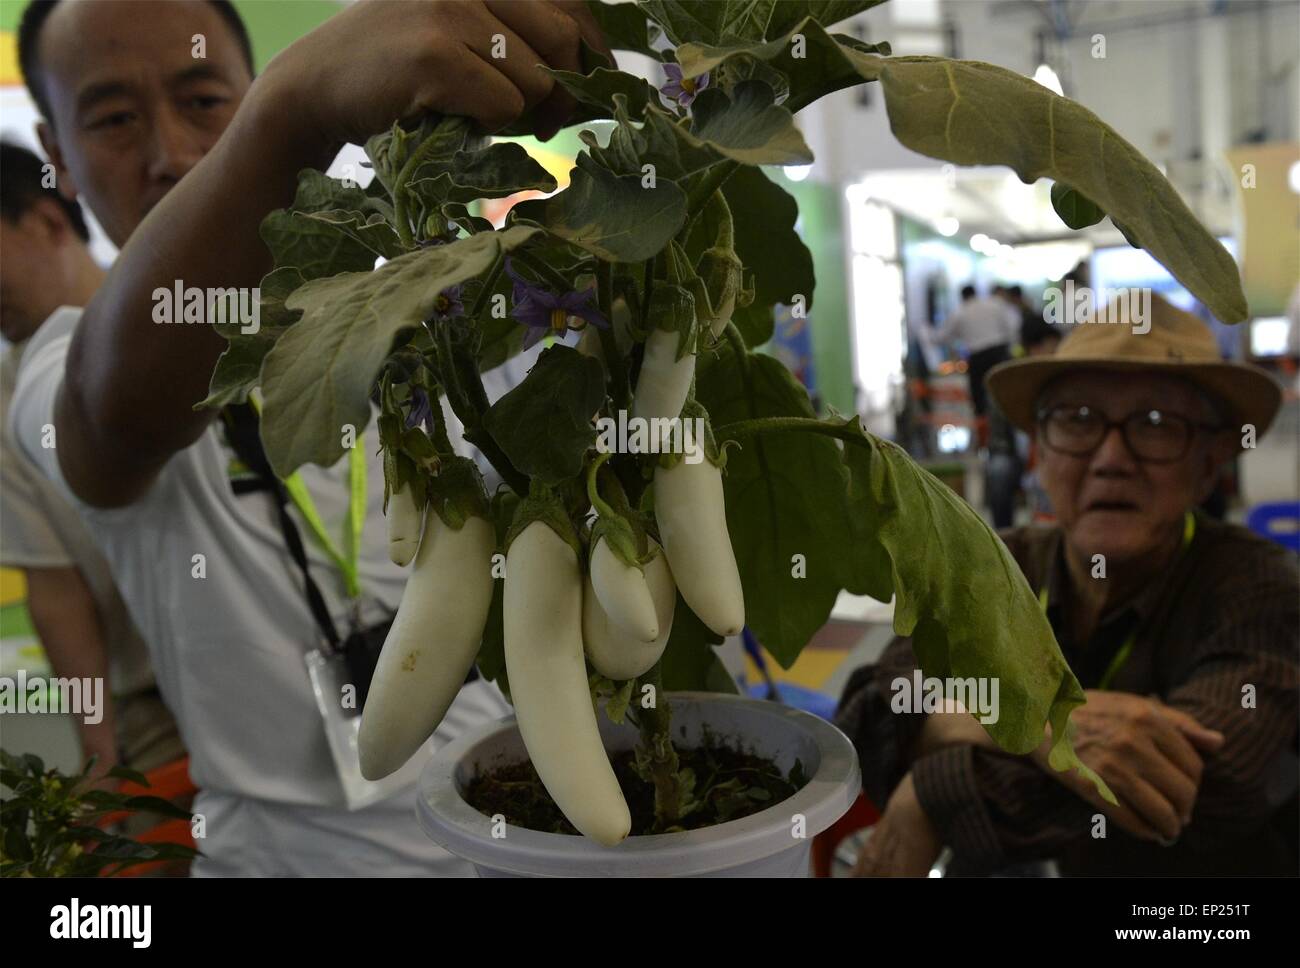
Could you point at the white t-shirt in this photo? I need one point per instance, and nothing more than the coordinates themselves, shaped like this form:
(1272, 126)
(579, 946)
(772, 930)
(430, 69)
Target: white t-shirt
(981, 324)
(228, 649)
(39, 529)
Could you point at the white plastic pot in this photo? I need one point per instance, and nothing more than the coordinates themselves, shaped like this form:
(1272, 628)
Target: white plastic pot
(772, 843)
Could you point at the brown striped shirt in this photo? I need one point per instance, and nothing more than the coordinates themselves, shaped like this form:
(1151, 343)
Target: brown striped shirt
(1224, 617)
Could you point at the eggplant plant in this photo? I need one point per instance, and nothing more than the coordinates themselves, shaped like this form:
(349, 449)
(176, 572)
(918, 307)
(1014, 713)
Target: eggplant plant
(669, 248)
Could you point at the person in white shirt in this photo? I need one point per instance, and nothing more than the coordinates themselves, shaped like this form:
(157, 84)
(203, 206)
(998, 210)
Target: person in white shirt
(180, 159)
(986, 326)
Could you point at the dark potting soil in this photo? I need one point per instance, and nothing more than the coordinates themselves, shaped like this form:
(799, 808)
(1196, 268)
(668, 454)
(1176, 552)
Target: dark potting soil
(727, 785)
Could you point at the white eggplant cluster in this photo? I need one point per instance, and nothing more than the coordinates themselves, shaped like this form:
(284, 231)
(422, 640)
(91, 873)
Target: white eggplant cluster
(619, 615)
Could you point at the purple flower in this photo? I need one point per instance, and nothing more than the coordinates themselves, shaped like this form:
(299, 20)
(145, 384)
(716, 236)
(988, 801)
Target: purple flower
(682, 89)
(545, 313)
(421, 411)
(448, 304)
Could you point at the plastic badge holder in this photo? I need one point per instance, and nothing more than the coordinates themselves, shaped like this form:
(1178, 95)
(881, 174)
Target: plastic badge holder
(329, 675)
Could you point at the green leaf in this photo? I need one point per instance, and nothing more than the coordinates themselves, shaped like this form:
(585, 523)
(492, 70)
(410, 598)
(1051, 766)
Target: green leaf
(959, 594)
(689, 662)
(1076, 211)
(544, 424)
(611, 216)
(785, 497)
(756, 322)
(599, 87)
(827, 63)
(978, 114)
(126, 773)
(684, 20)
(748, 126)
(158, 806)
(764, 216)
(500, 169)
(661, 141)
(789, 13)
(239, 368)
(373, 231)
(319, 375)
(390, 151)
(625, 27)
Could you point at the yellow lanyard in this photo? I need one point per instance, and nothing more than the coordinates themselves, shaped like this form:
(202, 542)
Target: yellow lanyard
(1121, 657)
(346, 560)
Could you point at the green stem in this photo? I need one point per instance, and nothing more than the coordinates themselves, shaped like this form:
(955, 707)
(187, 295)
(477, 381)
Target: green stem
(556, 281)
(469, 403)
(742, 429)
(593, 493)
(657, 747)
(488, 283)
(709, 183)
(620, 390)
(400, 194)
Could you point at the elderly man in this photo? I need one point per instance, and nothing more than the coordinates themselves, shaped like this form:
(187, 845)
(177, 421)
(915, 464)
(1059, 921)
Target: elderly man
(1183, 632)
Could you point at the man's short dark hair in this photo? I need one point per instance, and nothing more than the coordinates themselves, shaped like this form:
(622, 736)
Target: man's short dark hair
(38, 11)
(967, 292)
(22, 183)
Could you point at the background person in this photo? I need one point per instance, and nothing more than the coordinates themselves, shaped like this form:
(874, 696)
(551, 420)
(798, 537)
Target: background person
(1186, 647)
(986, 326)
(76, 610)
(180, 160)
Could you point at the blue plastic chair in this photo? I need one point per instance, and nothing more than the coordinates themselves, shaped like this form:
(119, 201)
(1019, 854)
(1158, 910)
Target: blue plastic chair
(1278, 521)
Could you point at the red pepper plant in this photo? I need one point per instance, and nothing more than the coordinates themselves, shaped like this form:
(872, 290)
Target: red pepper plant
(670, 248)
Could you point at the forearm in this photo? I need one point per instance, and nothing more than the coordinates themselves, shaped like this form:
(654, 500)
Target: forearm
(131, 382)
(67, 623)
(995, 808)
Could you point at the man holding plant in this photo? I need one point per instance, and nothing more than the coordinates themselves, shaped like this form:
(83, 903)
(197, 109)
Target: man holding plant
(180, 156)
(1182, 631)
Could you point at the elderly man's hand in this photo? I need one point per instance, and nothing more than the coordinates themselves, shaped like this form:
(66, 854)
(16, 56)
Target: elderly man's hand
(904, 843)
(1149, 754)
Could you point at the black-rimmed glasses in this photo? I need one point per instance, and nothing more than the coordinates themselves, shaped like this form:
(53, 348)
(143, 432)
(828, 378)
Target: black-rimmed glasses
(1151, 435)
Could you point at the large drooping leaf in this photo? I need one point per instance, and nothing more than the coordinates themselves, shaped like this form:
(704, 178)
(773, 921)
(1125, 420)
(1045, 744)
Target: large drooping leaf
(239, 367)
(748, 127)
(958, 593)
(319, 375)
(814, 67)
(611, 216)
(544, 424)
(978, 114)
(785, 502)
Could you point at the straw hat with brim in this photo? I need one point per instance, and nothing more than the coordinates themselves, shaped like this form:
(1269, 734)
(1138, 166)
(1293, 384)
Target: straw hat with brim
(1177, 344)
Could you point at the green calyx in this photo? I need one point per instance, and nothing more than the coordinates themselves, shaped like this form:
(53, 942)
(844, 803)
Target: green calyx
(617, 523)
(677, 301)
(713, 453)
(544, 504)
(720, 270)
(457, 493)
